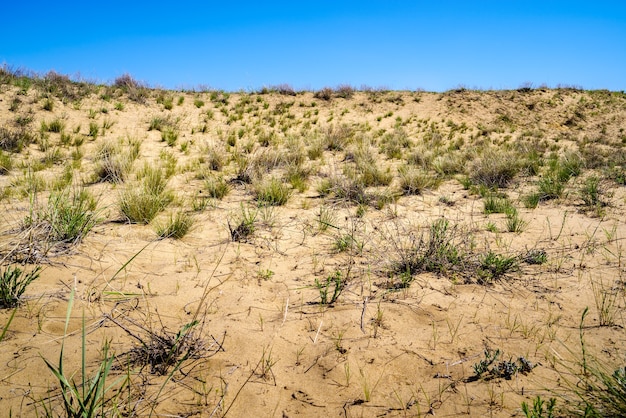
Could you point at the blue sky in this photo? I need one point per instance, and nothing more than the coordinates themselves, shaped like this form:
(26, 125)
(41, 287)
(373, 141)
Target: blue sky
(432, 45)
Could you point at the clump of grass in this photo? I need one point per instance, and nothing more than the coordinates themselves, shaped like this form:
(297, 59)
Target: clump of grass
(15, 140)
(175, 227)
(297, 175)
(494, 169)
(56, 125)
(494, 266)
(161, 123)
(514, 223)
(13, 284)
(438, 251)
(344, 188)
(140, 204)
(217, 187)
(495, 203)
(551, 186)
(337, 137)
(113, 162)
(414, 181)
(94, 129)
(71, 214)
(538, 410)
(272, 192)
(169, 136)
(591, 191)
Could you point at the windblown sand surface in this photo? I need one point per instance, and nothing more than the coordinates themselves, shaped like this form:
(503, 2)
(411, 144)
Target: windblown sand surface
(393, 343)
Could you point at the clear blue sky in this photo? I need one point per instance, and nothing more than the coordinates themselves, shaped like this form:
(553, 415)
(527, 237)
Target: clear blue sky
(433, 45)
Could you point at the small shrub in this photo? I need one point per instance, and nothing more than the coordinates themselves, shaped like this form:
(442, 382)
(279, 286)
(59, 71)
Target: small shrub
(325, 93)
(344, 91)
(13, 284)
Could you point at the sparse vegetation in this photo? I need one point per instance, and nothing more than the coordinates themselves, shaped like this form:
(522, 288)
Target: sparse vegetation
(330, 231)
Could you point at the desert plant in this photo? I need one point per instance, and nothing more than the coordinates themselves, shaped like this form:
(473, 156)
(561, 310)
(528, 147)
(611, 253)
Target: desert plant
(538, 410)
(217, 187)
(335, 282)
(71, 213)
(176, 226)
(13, 284)
(169, 136)
(494, 169)
(325, 93)
(591, 191)
(326, 218)
(336, 137)
(514, 223)
(551, 186)
(495, 203)
(57, 125)
(6, 163)
(438, 251)
(14, 140)
(244, 224)
(591, 387)
(87, 398)
(272, 192)
(493, 266)
(535, 256)
(94, 129)
(297, 175)
(113, 163)
(141, 204)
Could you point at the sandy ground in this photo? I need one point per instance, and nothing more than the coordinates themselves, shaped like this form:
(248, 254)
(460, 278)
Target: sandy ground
(265, 344)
